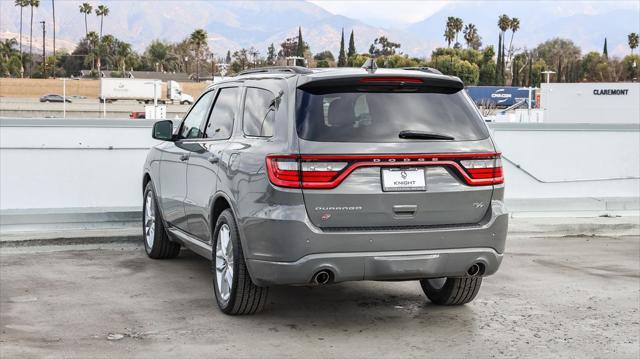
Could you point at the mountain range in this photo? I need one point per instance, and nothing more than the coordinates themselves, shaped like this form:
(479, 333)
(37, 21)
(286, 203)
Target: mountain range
(235, 24)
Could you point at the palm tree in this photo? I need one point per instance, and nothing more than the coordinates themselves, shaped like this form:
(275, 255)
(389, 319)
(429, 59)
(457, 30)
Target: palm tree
(449, 33)
(94, 42)
(470, 33)
(102, 11)
(633, 41)
(53, 8)
(457, 26)
(514, 25)
(32, 4)
(86, 9)
(22, 4)
(123, 54)
(198, 39)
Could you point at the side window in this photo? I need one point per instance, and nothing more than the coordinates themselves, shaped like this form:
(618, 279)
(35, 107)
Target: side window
(191, 124)
(224, 111)
(259, 112)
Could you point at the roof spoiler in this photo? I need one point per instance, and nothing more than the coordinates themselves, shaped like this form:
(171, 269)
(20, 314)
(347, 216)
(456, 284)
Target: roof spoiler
(376, 82)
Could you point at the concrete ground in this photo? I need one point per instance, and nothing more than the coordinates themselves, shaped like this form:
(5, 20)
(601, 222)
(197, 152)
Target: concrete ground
(553, 297)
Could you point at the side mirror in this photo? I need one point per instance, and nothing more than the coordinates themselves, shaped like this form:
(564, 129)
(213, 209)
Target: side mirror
(163, 130)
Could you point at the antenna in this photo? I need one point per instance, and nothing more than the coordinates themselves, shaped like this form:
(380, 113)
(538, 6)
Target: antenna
(370, 65)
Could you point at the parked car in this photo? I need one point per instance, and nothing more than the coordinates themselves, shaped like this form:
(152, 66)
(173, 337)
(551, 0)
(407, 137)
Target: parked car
(288, 176)
(137, 115)
(54, 98)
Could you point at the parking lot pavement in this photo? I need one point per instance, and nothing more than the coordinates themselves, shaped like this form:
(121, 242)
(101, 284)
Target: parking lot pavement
(553, 297)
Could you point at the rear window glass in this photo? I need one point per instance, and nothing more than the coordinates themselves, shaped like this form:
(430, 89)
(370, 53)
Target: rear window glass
(380, 116)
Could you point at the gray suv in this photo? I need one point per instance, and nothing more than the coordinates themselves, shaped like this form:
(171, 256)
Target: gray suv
(292, 176)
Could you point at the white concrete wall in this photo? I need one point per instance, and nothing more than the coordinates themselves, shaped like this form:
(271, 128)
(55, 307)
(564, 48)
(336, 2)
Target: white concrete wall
(577, 103)
(94, 166)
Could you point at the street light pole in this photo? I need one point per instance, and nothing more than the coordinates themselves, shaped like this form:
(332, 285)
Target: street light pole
(44, 58)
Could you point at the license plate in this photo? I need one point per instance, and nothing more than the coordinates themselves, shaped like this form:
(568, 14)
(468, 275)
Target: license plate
(403, 179)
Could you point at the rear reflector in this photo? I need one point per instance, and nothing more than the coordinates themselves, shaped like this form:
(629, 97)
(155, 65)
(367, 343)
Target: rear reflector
(328, 171)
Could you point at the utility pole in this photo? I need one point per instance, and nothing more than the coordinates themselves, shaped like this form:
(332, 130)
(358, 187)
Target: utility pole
(44, 58)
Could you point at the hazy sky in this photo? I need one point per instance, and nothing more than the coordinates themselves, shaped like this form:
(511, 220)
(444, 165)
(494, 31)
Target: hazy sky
(383, 13)
(397, 13)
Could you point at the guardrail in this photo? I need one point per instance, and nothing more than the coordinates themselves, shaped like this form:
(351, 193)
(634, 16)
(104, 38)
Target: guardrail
(84, 171)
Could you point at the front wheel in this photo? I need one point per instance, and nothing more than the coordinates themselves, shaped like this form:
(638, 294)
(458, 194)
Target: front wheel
(235, 292)
(156, 241)
(451, 291)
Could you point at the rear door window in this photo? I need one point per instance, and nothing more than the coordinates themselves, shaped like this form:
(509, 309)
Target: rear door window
(259, 112)
(361, 116)
(224, 111)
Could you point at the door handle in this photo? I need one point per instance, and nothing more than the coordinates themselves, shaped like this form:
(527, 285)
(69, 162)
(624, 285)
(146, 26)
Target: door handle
(184, 157)
(213, 159)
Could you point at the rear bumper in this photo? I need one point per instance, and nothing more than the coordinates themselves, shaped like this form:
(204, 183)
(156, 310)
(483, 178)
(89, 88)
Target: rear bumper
(290, 251)
(399, 265)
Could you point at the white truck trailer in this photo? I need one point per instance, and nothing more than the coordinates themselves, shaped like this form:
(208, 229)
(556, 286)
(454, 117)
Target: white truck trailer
(141, 90)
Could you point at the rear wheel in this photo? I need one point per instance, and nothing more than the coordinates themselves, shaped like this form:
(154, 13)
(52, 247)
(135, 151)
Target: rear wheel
(235, 292)
(451, 291)
(156, 241)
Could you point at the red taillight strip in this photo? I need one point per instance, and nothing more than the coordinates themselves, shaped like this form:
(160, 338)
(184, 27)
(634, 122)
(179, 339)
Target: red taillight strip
(375, 80)
(484, 176)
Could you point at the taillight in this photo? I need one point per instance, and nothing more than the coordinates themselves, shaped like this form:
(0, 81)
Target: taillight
(489, 169)
(296, 172)
(328, 171)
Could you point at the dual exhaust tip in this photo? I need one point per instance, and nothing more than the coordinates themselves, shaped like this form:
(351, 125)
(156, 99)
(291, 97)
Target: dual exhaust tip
(324, 276)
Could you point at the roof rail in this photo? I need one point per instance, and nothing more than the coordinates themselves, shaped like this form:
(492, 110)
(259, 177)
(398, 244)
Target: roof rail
(270, 69)
(430, 70)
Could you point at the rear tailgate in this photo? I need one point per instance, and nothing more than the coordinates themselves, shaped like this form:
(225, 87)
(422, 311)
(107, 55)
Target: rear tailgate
(356, 172)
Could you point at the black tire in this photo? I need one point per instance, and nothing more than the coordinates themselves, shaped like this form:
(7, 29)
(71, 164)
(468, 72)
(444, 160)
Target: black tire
(161, 247)
(245, 297)
(455, 291)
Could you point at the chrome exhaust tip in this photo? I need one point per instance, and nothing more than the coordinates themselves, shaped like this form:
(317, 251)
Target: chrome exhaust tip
(474, 270)
(321, 277)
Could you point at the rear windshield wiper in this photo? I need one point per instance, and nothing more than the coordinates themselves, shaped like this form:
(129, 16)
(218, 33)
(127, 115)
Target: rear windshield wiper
(420, 135)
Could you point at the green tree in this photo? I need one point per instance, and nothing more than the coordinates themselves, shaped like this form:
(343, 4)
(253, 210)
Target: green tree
(630, 67)
(452, 65)
(352, 45)
(382, 46)
(605, 52)
(22, 4)
(632, 38)
(342, 56)
(10, 58)
(123, 54)
(271, 54)
(32, 4)
(562, 53)
(487, 65)
(198, 40)
(300, 49)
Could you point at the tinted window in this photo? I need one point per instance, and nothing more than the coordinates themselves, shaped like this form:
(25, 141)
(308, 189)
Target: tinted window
(380, 116)
(224, 111)
(191, 124)
(259, 112)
